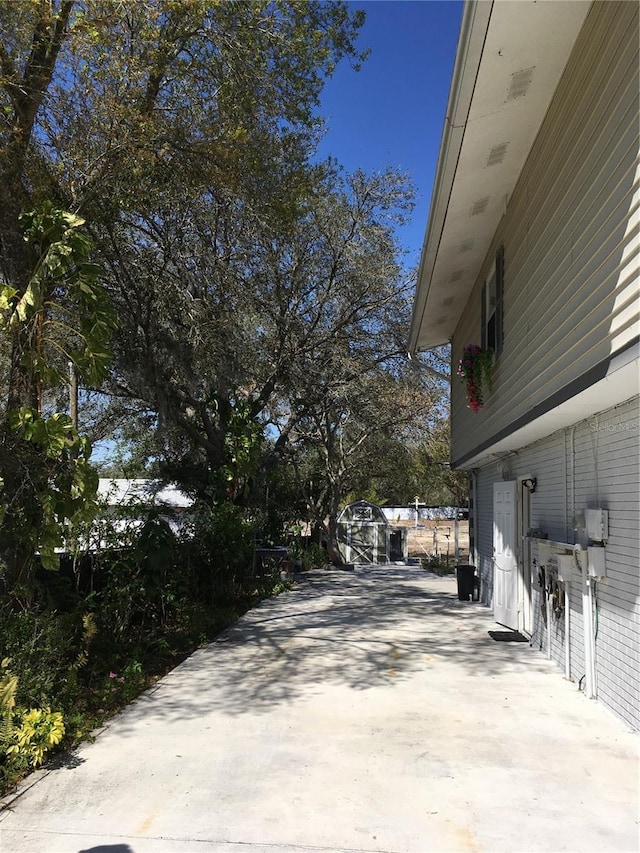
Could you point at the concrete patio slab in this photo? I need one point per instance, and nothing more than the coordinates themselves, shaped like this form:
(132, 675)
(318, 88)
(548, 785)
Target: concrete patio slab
(364, 711)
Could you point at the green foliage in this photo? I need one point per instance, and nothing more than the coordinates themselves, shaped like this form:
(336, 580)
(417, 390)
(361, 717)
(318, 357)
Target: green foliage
(64, 301)
(475, 369)
(147, 601)
(255, 291)
(139, 581)
(220, 550)
(438, 565)
(38, 730)
(44, 647)
(243, 437)
(26, 735)
(118, 688)
(367, 493)
(151, 587)
(89, 631)
(61, 316)
(410, 464)
(65, 491)
(314, 557)
(281, 586)
(8, 688)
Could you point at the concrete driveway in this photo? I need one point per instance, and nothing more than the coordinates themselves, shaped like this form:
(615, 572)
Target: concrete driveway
(360, 712)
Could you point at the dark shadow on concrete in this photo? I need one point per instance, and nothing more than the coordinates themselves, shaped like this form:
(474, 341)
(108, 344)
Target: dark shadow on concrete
(364, 629)
(66, 761)
(108, 848)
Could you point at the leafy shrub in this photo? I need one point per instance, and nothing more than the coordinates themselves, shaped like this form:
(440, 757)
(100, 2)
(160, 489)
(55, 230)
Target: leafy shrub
(438, 565)
(219, 551)
(101, 630)
(314, 557)
(26, 735)
(43, 647)
(36, 732)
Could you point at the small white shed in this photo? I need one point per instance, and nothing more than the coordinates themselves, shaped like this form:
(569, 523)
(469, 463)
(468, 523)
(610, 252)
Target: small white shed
(365, 536)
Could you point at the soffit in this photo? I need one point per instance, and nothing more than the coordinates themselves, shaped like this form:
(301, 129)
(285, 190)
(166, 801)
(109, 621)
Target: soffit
(511, 55)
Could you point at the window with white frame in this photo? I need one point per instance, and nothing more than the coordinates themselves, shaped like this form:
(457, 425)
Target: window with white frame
(492, 305)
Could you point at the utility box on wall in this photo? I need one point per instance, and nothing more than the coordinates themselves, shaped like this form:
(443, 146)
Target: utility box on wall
(565, 566)
(596, 561)
(540, 551)
(597, 524)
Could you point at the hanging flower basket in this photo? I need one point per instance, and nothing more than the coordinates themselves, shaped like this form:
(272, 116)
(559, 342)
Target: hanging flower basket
(475, 368)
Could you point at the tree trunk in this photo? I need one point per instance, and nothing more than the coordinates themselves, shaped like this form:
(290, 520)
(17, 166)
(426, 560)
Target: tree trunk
(333, 554)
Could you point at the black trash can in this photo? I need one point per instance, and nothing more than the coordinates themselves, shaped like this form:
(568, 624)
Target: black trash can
(466, 582)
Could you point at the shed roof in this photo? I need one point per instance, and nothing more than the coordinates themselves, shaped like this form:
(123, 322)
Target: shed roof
(362, 511)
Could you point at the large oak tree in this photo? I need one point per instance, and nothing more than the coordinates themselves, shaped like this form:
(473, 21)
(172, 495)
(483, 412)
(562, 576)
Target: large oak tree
(119, 113)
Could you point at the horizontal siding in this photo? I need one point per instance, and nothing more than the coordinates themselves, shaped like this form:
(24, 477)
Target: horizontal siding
(570, 234)
(590, 464)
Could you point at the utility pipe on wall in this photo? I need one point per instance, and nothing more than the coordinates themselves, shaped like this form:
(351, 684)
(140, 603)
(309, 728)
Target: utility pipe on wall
(566, 486)
(547, 595)
(592, 641)
(587, 617)
(474, 491)
(567, 626)
(573, 476)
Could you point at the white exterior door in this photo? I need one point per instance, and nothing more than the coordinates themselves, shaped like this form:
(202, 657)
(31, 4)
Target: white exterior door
(525, 620)
(505, 577)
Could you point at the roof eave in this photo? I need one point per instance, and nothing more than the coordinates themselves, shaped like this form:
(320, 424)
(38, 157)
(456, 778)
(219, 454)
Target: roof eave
(509, 61)
(473, 30)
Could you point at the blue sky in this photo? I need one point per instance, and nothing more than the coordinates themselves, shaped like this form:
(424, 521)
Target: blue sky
(391, 112)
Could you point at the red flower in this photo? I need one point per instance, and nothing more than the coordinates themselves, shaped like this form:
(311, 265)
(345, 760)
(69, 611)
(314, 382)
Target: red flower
(474, 368)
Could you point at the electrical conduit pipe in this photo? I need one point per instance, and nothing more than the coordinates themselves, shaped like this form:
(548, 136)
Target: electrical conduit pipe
(587, 609)
(567, 635)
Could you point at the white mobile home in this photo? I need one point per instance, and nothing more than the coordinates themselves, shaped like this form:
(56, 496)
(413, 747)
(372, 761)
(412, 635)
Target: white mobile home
(532, 256)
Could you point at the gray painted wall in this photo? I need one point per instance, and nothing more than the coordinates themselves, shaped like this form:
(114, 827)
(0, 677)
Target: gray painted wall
(594, 463)
(570, 236)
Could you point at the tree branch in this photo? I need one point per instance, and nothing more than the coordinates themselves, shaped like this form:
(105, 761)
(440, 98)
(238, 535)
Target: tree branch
(38, 73)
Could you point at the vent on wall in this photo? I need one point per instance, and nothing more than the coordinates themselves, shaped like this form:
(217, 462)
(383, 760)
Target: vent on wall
(466, 246)
(520, 82)
(497, 154)
(455, 276)
(479, 206)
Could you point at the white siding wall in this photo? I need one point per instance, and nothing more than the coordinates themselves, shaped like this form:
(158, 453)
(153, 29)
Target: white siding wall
(570, 236)
(594, 463)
